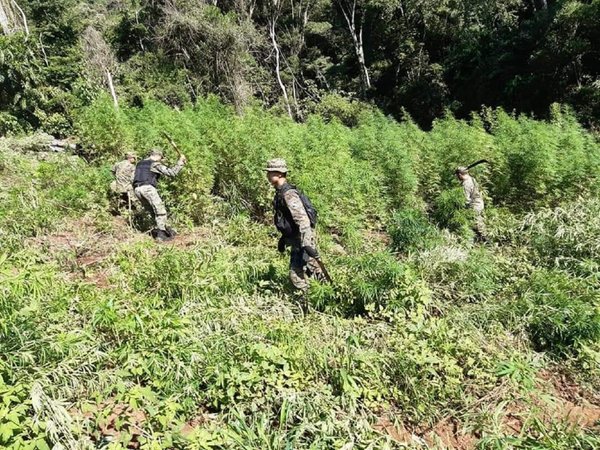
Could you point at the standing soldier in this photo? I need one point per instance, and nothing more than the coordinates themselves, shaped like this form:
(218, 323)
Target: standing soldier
(145, 181)
(121, 186)
(295, 219)
(473, 199)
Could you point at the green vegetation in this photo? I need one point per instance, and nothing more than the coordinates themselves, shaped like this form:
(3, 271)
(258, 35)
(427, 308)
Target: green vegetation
(108, 340)
(423, 340)
(411, 56)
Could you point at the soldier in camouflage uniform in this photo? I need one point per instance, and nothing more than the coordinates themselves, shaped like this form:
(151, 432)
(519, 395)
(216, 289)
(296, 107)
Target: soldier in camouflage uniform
(292, 220)
(121, 185)
(473, 200)
(147, 173)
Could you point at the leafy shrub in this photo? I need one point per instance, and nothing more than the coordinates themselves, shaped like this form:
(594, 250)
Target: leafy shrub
(9, 124)
(452, 143)
(542, 163)
(346, 111)
(103, 129)
(562, 312)
(46, 192)
(567, 237)
(392, 151)
(449, 212)
(410, 230)
(375, 284)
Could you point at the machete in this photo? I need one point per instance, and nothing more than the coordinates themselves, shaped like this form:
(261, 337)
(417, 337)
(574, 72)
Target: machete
(324, 270)
(173, 144)
(481, 161)
(313, 254)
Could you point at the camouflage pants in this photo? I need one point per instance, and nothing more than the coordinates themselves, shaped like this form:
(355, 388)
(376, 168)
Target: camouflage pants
(479, 226)
(148, 196)
(125, 200)
(302, 266)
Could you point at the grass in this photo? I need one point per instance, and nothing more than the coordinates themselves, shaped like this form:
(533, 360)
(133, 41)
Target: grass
(108, 340)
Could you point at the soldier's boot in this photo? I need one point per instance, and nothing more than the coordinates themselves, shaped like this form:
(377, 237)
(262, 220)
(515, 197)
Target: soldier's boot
(162, 236)
(480, 237)
(171, 232)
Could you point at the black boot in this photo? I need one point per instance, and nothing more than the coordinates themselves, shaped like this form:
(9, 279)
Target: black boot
(162, 236)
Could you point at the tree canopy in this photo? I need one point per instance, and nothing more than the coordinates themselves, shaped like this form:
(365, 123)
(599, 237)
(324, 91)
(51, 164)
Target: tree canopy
(420, 57)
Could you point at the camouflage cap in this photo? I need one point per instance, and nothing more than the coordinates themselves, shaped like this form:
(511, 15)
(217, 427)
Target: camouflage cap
(130, 155)
(277, 165)
(156, 152)
(461, 170)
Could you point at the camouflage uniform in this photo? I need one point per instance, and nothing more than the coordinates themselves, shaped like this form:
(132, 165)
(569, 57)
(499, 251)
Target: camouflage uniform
(122, 185)
(474, 200)
(148, 194)
(301, 264)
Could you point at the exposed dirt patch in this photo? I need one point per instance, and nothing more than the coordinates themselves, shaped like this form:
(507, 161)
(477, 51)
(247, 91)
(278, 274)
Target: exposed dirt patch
(189, 238)
(574, 404)
(198, 421)
(398, 433)
(448, 432)
(568, 389)
(81, 248)
(115, 422)
(561, 403)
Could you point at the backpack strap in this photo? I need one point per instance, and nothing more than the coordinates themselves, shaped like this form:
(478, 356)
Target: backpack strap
(287, 187)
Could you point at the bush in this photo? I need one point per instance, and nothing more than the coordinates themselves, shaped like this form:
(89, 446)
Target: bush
(392, 151)
(334, 106)
(542, 163)
(410, 230)
(375, 284)
(563, 313)
(449, 212)
(567, 237)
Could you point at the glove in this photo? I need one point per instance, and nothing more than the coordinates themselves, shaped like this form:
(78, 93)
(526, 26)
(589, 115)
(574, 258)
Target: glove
(281, 245)
(311, 251)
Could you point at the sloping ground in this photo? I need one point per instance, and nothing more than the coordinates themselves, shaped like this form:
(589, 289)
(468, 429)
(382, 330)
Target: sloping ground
(86, 252)
(112, 340)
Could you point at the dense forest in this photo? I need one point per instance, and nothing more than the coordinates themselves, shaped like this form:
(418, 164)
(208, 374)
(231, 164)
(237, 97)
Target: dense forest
(417, 57)
(424, 339)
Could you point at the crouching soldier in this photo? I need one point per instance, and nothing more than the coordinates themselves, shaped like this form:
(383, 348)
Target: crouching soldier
(122, 184)
(147, 173)
(473, 200)
(295, 219)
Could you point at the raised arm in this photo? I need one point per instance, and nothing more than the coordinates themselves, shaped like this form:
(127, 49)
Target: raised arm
(161, 169)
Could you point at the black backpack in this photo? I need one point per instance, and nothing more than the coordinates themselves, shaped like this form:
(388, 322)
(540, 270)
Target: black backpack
(283, 217)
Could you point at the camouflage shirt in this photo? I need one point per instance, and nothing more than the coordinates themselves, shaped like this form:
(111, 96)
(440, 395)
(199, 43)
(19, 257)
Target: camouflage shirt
(123, 172)
(299, 215)
(473, 196)
(161, 169)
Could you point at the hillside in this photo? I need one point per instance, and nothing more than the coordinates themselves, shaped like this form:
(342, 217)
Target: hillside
(424, 339)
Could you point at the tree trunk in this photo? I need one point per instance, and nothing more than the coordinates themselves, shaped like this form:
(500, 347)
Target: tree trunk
(8, 21)
(4, 22)
(278, 66)
(356, 34)
(112, 88)
(23, 16)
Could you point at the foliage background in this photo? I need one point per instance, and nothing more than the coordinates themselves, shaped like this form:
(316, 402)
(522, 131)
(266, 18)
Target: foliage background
(110, 341)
